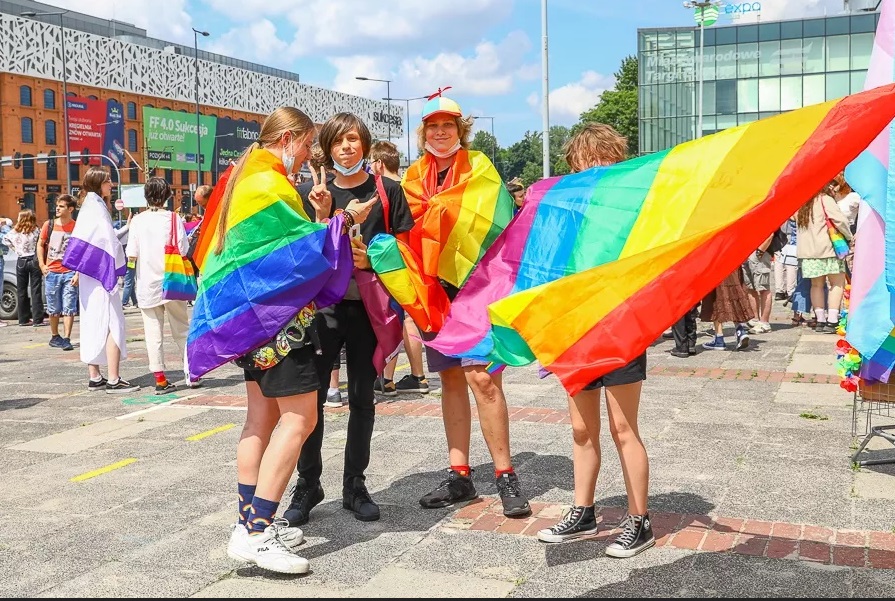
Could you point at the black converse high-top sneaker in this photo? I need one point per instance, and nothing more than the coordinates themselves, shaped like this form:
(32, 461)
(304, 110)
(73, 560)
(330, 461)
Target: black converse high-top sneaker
(637, 536)
(579, 521)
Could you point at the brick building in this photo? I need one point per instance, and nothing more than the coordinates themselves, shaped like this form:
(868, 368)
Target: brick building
(115, 65)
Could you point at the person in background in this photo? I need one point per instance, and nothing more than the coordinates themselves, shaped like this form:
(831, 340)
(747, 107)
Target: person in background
(786, 265)
(818, 259)
(150, 232)
(757, 279)
(5, 228)
(517, 189)
(728, 302)
(23, 241)
(385, 162)
(597, 145)
(128, 293)
(684, 334)
(95, 252)
(61, 282)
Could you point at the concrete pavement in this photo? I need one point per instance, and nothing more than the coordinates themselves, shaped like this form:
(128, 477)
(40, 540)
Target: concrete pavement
(752, 490)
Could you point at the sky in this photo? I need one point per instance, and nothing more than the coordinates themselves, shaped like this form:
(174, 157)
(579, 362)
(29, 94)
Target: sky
(488, 51)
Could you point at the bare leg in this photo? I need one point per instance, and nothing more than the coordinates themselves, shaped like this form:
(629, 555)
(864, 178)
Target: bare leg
(413, 346)
(584, 410)
(389, 371)
(837, 287)
(54, 325)
(765, 301)
(68, 322)
(261, 418)
(456, 414)
(622, 404)
(334, 379)
(817, 296)
(492, 406)
(719, 328)
(113, 358)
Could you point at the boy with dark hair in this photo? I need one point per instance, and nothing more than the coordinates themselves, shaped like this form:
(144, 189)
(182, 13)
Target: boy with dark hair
(60, 282)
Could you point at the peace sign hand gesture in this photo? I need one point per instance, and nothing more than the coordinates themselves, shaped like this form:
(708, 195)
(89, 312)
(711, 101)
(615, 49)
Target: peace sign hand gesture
(320, 197)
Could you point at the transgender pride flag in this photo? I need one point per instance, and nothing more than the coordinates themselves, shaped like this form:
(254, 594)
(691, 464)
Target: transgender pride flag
(871, 330)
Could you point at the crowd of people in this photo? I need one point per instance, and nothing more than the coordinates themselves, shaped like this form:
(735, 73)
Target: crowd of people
(88, 267)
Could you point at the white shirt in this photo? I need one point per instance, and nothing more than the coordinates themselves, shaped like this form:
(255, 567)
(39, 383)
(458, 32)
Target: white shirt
(148, 235)
(849, 206)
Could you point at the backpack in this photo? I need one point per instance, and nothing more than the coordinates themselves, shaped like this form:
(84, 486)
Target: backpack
(779, 240)
(50, 224)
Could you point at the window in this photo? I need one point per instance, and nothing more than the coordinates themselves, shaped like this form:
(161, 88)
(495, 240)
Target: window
(769, 94)
(747, 33)
(131, 110)
(747, 96)
(169, 176)
(50, 131)
(857, 81)
(726, 62)
(838, 85)
(790, 30)
(769, 58)
(134, 173)
(28, 166)
(29, 201)
(747, 60)
(726, 98)
(49, 99)
(27, 130)
(768, 32)
(25, 96)
(132, 140)
(837, 26)
(52, 166)
(790, 93)
(708, 98)
(814, 28)
(813, 91)
(92, 97)
(837, 53)
(813, 51)
(74, 171)
(861, 47)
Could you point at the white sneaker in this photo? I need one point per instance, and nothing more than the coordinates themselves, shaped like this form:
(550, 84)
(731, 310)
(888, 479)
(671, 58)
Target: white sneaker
(760, 327)
(333, 399)
(291, 536)
(266, 551)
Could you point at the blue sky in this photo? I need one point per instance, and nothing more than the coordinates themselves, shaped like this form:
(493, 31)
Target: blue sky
(489, 51)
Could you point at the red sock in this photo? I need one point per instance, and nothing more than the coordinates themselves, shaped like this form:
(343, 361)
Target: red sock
(499, 473)
(463, 470)
(160, 378)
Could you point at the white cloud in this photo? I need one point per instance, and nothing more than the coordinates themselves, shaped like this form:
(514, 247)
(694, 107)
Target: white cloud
(259, 41)
(166, 19)
(569, 101)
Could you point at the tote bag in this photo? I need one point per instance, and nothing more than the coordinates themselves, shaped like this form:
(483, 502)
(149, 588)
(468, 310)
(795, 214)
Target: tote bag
(179, 280)
(840, 244)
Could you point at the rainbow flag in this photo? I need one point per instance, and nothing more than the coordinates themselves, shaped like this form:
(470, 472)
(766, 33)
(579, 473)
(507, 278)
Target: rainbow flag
(597, 264)
(871, 318)
(455, 225)
(274, 263)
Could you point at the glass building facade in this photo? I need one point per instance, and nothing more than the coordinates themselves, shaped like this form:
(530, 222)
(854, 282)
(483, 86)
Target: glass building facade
(751, 71)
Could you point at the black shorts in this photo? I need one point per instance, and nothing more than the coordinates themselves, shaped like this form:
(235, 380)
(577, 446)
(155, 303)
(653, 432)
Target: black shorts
(295, 374)
(635, 371)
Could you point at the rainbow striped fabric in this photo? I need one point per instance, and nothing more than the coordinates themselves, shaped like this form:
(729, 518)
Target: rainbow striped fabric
(455, 223)
(871, 321)
(274, 263)
(597, 264)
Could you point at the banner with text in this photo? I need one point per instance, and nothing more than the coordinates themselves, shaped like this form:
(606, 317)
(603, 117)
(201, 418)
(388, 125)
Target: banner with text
(96, 127)
(171, 139)
(231, 139)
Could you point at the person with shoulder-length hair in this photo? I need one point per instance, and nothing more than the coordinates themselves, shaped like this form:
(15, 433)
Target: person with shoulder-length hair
(23, 240)
(817, 257)
(345, 143)
(95, 252)
(600, 145)
(266, 267)
(150, 232)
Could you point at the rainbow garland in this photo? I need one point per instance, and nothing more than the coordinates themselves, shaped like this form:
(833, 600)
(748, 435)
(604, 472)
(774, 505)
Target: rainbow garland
(848, 364)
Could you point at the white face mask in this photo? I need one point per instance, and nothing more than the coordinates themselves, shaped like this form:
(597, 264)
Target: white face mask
(347, 171)
(443, 155)
(288, 159)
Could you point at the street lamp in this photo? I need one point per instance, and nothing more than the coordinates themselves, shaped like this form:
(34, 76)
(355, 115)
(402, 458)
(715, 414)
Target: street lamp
(493, 139)
(545, 92)
(388, 93)
(196, 34)
(59, 13)
(406, 116)
(701, 19)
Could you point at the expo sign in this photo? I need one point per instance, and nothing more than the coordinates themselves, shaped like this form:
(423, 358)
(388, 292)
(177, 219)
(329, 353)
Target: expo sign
(735, 11)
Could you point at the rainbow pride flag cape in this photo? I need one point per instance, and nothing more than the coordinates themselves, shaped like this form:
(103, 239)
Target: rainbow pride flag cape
(597, 264)
(274, 263)
(454, 226)
(871, 318)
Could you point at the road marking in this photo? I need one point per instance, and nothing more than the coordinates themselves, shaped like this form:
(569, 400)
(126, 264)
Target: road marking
(159, 406)
(212, 432)
(104, 470)
(40, 345)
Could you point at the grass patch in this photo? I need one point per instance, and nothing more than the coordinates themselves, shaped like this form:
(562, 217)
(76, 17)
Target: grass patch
(813, 414)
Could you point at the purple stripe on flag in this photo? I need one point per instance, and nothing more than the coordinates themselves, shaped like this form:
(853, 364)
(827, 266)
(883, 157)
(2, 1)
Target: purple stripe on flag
(83, 257)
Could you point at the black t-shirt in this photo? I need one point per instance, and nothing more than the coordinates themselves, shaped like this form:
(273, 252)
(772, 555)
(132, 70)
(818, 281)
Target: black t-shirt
(400, 219)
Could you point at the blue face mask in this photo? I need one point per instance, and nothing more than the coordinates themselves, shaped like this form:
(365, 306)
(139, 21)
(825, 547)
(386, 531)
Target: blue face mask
(347, 171)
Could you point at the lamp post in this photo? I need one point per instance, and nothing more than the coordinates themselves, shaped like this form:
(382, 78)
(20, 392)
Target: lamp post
(406, 116)
(701, 19)
(545, 91)
(59, 13)
(493, 139)
(388, 93)
(196, 34)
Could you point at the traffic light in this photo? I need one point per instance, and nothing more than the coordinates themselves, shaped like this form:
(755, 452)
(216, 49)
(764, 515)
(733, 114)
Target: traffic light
(17, 160)
(85, 156)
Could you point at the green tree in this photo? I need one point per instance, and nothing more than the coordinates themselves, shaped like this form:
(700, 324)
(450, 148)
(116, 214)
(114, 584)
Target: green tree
(485, 143)
(618, 106)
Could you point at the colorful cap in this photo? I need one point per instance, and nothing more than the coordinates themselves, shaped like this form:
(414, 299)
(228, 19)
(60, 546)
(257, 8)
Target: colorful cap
(439, 104)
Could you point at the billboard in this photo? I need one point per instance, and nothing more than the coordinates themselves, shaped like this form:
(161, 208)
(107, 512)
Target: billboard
(96, 127)
(171, 139)
(231, 139)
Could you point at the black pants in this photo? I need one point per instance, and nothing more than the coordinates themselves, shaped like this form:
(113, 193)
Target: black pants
(345, 323)
(27, 269)
(685, 331)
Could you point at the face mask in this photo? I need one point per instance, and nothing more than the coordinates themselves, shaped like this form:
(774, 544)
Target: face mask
(288, 159)
(443, 155)
(346, 171)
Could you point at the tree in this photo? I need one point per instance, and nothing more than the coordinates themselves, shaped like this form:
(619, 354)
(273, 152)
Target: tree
(618, 106)
(485, 143)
